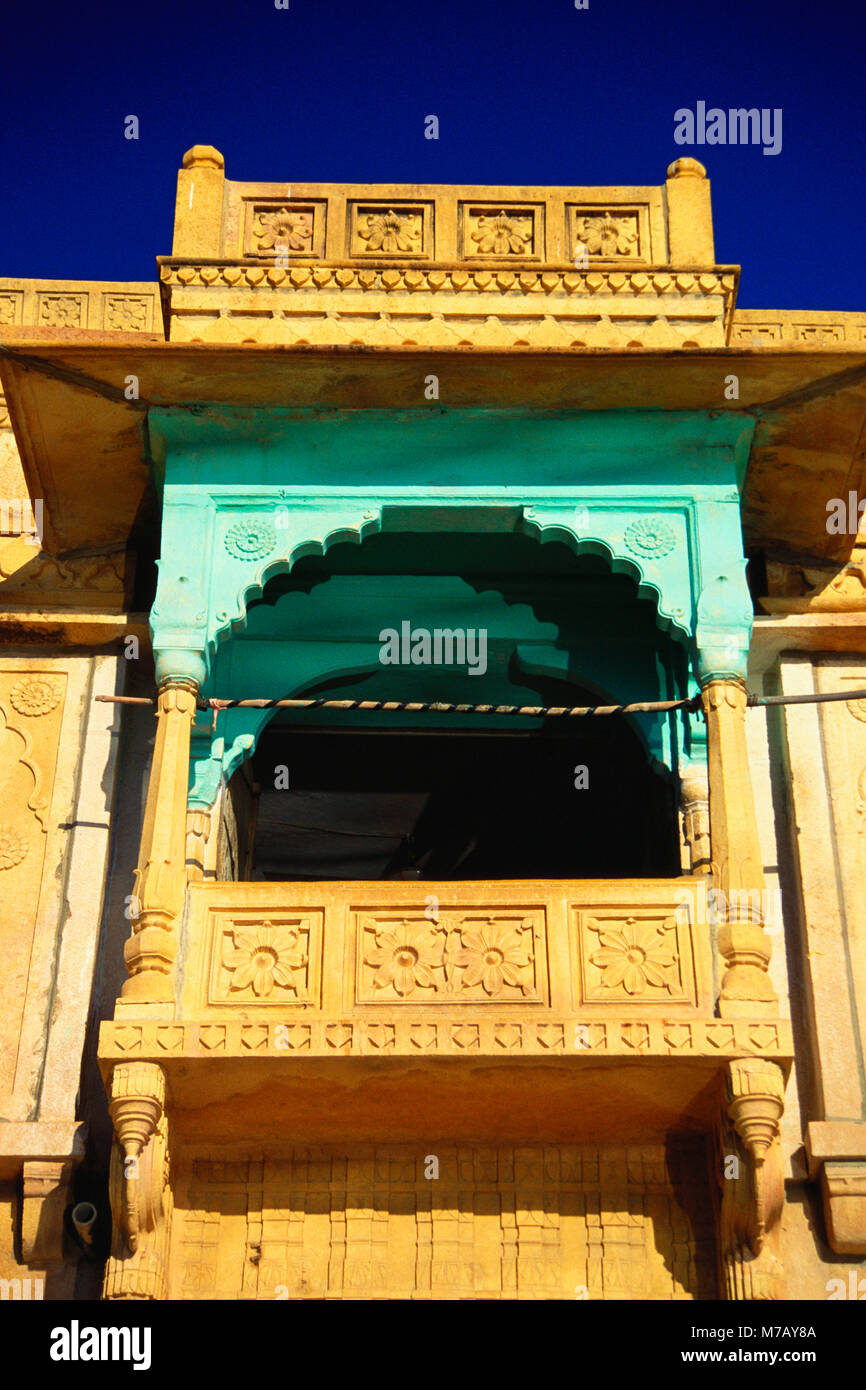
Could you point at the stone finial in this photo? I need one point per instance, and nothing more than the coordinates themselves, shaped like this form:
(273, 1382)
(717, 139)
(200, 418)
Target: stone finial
(204, 157)
(682, 169)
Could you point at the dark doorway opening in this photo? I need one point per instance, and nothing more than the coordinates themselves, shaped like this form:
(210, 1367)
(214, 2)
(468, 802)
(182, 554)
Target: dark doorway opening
(454, 805)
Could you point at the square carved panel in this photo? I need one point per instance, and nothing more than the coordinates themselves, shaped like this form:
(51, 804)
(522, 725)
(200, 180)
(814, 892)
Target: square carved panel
(391, 229)
(637, 957)
(131, 312)
(491, 231)
(293, 230)
(598, 233)
(63, 310)
(260, 959)
(10, 307)
(493, 955)
(819, 333)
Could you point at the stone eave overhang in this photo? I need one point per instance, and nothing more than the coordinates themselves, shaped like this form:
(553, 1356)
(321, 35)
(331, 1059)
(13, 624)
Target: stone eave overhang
(85, 448)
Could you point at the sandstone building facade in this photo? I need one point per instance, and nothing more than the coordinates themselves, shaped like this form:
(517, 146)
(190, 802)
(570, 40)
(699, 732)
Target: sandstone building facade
(376, 1002)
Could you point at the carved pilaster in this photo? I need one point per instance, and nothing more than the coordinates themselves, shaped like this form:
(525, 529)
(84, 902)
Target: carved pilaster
(736, 857)
(160, 879)
(752, 1180)
(695, 807)
(139, 1183)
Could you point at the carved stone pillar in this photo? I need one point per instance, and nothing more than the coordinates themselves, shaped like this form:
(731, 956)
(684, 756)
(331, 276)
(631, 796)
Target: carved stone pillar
(752, 1179)
(746, 990)
(139, 1184)
(160, 879)
(695, 807)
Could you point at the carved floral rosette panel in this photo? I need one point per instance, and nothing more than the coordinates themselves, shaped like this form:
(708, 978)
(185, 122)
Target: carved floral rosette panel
(31, 712)
(501, 233)
(286, 230)
(558, 1222)
(391, 229)
(607, 233)
(452, 957)
(627, 958)
(267, 959)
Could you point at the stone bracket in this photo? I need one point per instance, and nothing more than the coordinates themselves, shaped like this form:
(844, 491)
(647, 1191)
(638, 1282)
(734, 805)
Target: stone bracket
(837, 1155)
(752, 1190)
(46, 1193)
(139, 1187)
(755, 1096)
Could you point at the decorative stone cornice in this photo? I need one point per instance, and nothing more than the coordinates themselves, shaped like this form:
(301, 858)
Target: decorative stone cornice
(456, 304)
(455, 277)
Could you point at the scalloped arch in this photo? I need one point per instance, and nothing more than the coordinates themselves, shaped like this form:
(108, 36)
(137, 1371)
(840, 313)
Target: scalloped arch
(370, 523)
(545, 532)
(229, 623)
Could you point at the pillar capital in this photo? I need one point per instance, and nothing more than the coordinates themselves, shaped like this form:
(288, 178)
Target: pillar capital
(178, 693)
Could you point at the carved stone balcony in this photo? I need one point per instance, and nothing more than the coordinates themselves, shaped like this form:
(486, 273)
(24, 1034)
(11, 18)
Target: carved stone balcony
(499, 1089)
(569, 981)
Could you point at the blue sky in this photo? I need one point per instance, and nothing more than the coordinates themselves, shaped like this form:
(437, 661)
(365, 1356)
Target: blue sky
(532, 92)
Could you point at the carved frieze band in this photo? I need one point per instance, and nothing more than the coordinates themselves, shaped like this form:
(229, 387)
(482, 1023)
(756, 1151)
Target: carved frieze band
(489, 1035)
(586, 328)
(98, 578)
(543, 281)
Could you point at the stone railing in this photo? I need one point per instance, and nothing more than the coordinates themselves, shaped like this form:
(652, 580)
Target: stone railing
(535, 967)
